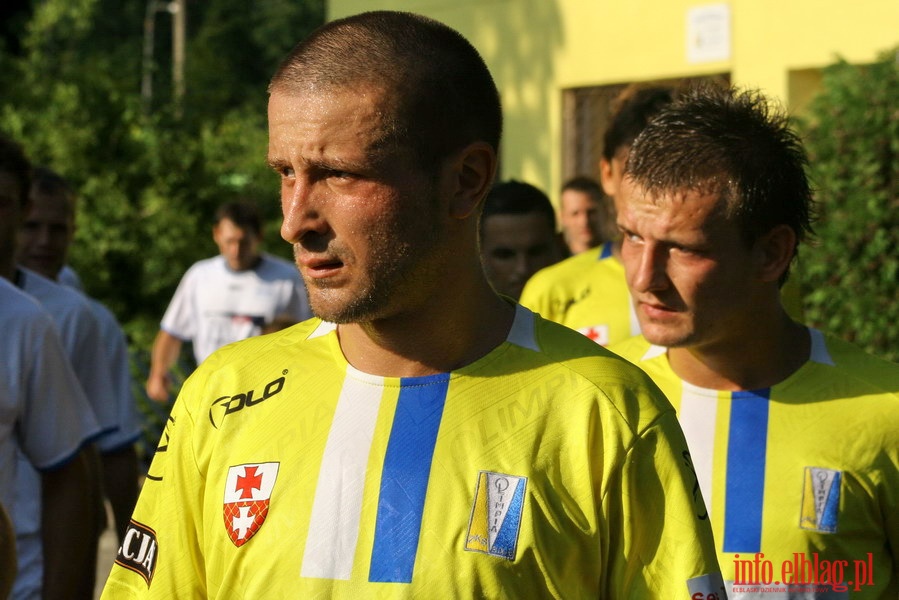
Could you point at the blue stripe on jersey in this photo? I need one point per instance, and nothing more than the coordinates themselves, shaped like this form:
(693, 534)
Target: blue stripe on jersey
(606, 251)
(828, 521)
(507, 538)
(745, 486)
(404, 479)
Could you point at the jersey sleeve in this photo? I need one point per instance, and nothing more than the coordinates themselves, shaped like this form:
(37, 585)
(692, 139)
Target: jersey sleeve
(128, 427)
(659, 537)
(56, 419)
(161, 556)
(91, 365)
(180, 318)
(537, 296)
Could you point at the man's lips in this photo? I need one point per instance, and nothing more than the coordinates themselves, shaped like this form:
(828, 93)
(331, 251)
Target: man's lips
(654, 309)
(320, 267)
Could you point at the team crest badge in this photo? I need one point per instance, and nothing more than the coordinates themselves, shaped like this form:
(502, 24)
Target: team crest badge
(820, 500)
(248, 491)
(597, 333)
(496, 514)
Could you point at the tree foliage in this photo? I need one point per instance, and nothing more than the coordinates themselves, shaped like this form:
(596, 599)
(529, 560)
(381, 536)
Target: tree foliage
(148, 181)
(850, 274)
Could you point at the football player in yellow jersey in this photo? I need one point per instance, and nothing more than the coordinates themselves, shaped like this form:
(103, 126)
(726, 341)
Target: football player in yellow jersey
(585, 215)
(422, 437)
(794, 435)
(587, 292)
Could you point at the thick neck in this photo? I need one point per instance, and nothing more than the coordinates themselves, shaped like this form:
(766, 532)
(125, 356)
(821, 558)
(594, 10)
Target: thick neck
(776, 349)
(456, 326)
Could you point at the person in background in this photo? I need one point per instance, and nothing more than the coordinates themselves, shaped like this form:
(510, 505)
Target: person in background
(581, 214)
(226, 298)
(518, 235)
(588, 292)
(7, 554)
(424, 436)
(49, 480)
(47, 233)
(794, 434)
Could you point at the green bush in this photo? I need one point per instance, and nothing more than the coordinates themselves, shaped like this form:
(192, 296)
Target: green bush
(849, 274)
(148, 174)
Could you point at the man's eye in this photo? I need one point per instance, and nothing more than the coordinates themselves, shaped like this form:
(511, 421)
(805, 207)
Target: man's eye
(688, 250)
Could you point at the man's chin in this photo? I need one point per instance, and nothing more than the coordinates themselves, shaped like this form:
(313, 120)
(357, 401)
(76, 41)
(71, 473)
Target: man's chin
(45, 268)
(664, 336)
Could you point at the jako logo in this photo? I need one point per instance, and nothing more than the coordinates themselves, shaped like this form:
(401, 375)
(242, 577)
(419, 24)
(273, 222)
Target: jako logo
(232, 404)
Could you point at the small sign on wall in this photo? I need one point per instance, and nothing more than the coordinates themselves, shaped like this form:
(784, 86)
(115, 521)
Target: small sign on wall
(708, 33)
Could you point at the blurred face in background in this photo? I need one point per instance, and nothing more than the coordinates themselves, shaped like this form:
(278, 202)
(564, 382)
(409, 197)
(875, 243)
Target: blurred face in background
(514, 247)
(239, 246)
(46, 234)
(579, 217)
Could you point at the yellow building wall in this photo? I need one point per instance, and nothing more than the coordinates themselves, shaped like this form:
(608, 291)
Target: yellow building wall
(536, 49)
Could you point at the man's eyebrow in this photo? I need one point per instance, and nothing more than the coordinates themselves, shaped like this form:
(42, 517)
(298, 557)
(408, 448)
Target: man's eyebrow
(276, 163)
(327, 163)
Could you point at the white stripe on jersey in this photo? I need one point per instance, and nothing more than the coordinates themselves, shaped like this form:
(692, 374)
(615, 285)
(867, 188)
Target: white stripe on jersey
(697, 415)
(337, 508)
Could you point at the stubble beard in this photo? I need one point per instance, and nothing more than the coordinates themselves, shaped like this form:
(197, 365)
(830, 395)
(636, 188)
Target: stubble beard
(395, 273)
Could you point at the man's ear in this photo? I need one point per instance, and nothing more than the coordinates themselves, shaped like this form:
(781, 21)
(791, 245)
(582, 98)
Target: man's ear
(774, 251)
(473, 171)
(606, 178)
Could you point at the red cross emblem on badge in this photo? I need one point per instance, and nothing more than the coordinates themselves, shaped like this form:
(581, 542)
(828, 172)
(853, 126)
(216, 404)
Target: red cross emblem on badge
(248, 491)
(597, 333)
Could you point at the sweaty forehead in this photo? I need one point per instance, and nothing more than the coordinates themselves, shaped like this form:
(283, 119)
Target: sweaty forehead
(690, 208)
(337, 128)
(363, 109)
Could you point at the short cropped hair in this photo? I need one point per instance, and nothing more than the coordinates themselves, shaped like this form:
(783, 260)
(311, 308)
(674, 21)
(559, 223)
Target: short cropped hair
(518, 198)
(635, 107)
(732, 143)
(14, 162)
(48, 182)
(243, 214)
(587, 185)
(444, 95)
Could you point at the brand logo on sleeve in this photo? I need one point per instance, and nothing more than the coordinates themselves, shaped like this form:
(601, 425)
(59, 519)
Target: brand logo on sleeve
(248, 492)
(139, 550)
(226, 405)
(496, 514)
(820, 500)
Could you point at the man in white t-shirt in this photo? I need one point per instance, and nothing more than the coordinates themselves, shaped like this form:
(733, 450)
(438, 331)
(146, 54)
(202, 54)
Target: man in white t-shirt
(226, 298)
(46, 425)
(45, 237)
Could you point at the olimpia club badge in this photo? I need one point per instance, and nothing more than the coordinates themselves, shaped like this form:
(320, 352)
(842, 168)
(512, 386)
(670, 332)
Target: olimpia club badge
(821, 499)
(496, 514)
(248, 492)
